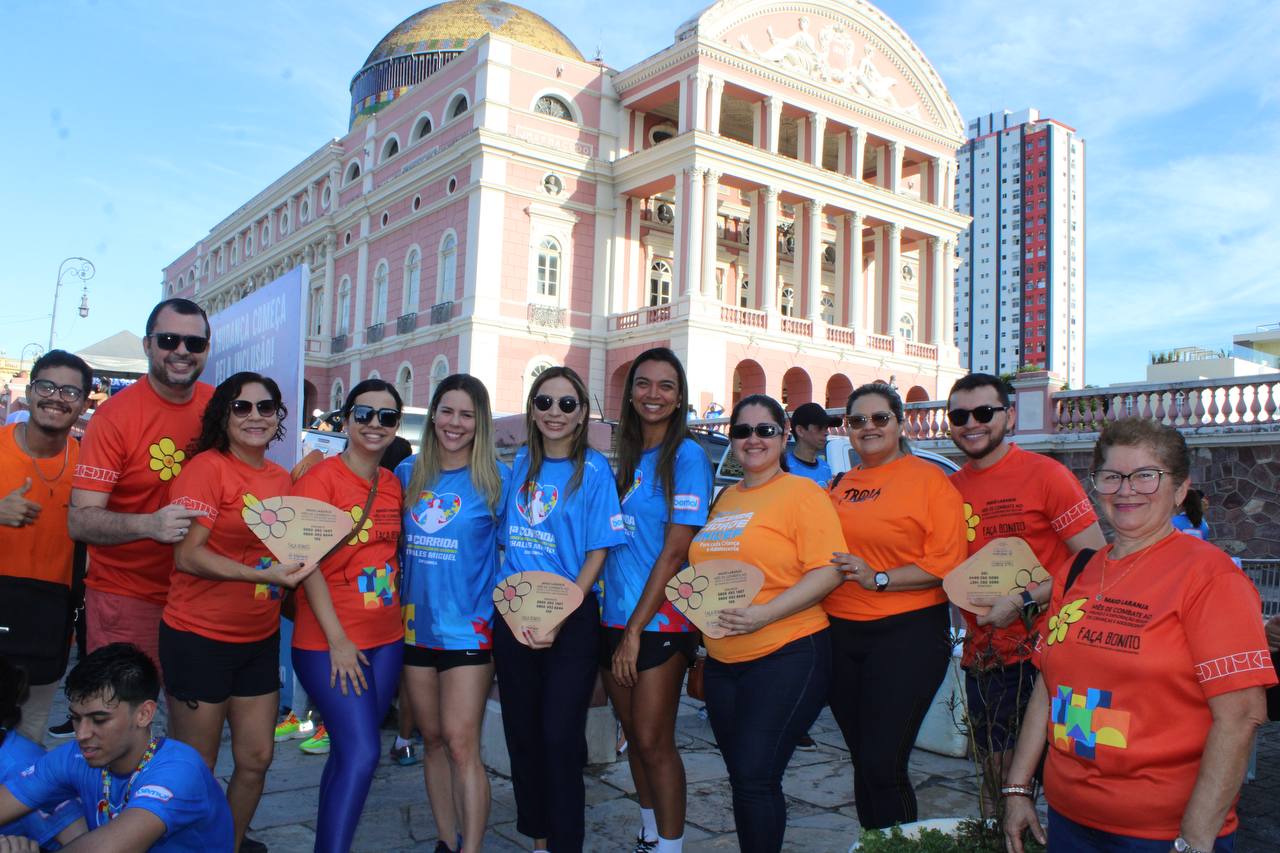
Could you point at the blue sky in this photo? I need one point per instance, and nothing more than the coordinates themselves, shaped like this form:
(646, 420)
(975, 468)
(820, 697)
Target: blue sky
(134, 127)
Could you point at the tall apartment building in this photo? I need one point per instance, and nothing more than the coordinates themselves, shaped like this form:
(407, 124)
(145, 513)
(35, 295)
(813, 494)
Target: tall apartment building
(1019, 297)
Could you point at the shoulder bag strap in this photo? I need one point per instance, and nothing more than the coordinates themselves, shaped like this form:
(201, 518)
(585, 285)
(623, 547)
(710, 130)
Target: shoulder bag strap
(1077, 566)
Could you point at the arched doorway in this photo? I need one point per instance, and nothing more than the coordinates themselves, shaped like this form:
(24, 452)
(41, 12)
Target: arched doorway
(797, 388)
(839, 387)
(310, 401)
(613, 394)
(917, 395)
(748, 379)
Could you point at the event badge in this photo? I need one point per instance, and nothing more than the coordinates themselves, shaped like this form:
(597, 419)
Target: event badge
(535, 602)
(296, 529)
(701, 591)
(1001, 567)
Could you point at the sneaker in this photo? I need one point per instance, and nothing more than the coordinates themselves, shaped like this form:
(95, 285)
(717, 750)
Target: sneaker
(643, 846)
(62, 730)
(318, 743)
(406, 756)
(441, 847)
(806, 743)
(287, 728)
(252, 845)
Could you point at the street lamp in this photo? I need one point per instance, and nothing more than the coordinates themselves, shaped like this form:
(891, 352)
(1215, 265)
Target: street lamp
(82, 269)
(37, 350)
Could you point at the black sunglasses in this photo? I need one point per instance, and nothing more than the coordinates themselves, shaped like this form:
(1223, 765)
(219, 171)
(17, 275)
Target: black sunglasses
(741, 431)
(266, 408)
(68, 393)
(879, 419)
(981, 414)
(364, 414)
(169, 342)
(568, 405)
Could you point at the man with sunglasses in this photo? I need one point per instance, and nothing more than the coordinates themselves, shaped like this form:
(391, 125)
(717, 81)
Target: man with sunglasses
(1010, 492)
(135, 445)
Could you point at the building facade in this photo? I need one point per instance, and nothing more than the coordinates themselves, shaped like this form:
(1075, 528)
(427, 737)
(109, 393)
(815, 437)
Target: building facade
(770, 195)
(1020, 284)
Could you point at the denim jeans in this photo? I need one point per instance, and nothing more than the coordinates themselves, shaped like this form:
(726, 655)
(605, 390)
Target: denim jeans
(1066, 834)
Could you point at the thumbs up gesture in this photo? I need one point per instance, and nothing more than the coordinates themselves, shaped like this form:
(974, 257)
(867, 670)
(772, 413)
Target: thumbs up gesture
(16, 510)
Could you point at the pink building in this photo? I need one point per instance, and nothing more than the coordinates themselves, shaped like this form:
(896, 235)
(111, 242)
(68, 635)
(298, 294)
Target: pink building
(770, 195)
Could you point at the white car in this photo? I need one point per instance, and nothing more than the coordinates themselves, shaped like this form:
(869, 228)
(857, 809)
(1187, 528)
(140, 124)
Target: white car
(840, 456)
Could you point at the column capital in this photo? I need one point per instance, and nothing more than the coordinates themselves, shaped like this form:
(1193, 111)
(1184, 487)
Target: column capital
(934, 242)
(695, 172)
(814, 207)
(717, 82)
(712, 175)
(895, 230)
(770, 193)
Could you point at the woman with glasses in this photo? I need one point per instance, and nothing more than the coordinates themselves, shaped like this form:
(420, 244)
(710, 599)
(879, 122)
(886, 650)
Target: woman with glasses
(904, 524)
(453, 496)
(768, 678)
(1153, 672)
(220, 630)
(561, 515)
(664, 484)
(348, 638)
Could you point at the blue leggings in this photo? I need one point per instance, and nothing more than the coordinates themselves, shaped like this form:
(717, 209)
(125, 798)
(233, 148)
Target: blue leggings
(354, 725)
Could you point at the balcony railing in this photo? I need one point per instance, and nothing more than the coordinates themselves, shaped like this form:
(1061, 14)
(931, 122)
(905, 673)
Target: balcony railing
(743, 316)
(546, 316)
(644, 317)
(375, 333)
(796, 326)
(441, 312)
(919, 350)
(840, 335)
(882, 343)
(1246, 401)
(406, 323)
(338, 344)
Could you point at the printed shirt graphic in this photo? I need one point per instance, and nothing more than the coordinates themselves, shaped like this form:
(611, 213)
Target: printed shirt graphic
(818, 470)
(133, 448)
(175, 786)
(450, 562)
(893, 515)
(548, 529)
(231, 611)
(361, 575)
(785, 527)
(42, 825)
(1129, 677)
(644, 515)
(41, 550)
(1032, 497)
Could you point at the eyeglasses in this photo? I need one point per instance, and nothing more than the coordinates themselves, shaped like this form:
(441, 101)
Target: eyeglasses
(981, 414)
(741, 431)
(266, 408)
(364, 414)
(568, 405)
(1145, 481)
(169, 342)
(880, 419)
(68, 393)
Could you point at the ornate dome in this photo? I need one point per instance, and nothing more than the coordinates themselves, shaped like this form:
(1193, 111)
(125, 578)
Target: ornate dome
(423, 43)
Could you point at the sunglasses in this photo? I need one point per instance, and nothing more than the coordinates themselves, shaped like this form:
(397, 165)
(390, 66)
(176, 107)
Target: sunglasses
(169, 342)
(981, 414)
(364, 414)
(741, 431)
(266, 408)
(880, 419)
(568, 405)
(68, 393)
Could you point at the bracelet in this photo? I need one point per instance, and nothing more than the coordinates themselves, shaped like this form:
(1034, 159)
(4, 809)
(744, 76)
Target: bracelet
(1027, 600)
(1018, 791)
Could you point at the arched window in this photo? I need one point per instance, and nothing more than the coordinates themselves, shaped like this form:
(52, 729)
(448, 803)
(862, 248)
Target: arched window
(788, 305)
(550, 105)
(907, 327)
(339, 396)
(266, 233)
(828, 304)
(549, 267)
(353, 172)
(390, 148)
(659, 283)
(284, 223)
(439, 372)
(422, 128)
(744, 294)
(304, 211)
(447, 268)
(344, 307)
(412, 268)
(248, 244)
(380, 293)
(404, 384)
(459, 106)
(316, 314)
(235, 254)
(534, 371)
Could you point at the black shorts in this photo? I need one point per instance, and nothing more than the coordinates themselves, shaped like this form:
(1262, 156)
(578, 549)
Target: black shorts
(997, 699)
(198, 669)
(442, 659)
(656, 647)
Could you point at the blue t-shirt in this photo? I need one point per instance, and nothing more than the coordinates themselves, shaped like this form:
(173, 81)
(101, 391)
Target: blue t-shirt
(449, 557)
(17, 754)
(645, 516)
(1181, 522)
(548, 529)
(175, 786)
(818, 471)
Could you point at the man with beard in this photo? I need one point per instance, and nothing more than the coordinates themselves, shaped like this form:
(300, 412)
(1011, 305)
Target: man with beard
(134, 446)
(1010, 492)
(36, 461)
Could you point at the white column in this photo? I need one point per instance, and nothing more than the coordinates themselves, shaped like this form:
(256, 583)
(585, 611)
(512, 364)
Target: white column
(817, 128)
(937, 289)
(619, 278)
(813, 258)
(896, 151)
(710, 207)
(939, 177)
(756, 201)
(688, 231)
(767, 276)
(893, 236)
(773, 115)
(949, 292)
(858, 141)
(701, 87)
(682, 121)
(713, 106)
(856, 288)
(330, 243)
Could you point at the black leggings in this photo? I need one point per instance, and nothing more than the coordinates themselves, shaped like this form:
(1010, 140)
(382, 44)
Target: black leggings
(885, 673)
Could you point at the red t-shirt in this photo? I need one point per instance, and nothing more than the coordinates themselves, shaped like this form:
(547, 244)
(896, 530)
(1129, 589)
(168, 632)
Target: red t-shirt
(231, 611)
(1032, 497)
(42, 550)
(134, 445)
(364, 575)
(1130, 668)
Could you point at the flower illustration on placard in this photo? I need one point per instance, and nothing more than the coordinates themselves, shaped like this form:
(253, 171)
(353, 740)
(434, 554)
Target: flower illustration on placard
(508, 597)
(266, 518)
(971, 520)
(362, 536)
(166, 459)
(1025, 581)
(686, 588)
(1068, 615)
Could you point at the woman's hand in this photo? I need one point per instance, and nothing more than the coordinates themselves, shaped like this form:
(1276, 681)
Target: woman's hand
(744, 620)
(544, 640)
(1019, 816)
(624, 659)
(344, 667)
(286, 575)
(855, 569)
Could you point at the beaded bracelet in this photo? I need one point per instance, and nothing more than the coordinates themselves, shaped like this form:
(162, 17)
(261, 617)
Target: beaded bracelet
(1018, 791)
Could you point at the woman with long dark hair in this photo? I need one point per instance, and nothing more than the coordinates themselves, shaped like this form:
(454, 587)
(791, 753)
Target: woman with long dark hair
(664, 484)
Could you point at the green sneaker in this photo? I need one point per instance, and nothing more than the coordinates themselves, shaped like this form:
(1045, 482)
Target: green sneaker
(287, 728)
(317, 744)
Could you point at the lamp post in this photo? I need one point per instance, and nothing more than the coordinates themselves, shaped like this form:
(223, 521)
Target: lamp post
(37, 350)
(81, 268)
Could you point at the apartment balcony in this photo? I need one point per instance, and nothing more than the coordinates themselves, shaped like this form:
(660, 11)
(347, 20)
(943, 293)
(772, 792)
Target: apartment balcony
(406, 323)
(338, 344)
(375, 333)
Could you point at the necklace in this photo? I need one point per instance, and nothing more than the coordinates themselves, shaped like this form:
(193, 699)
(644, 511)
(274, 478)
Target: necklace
(35, 463)
(1104, 585)
(106, 813)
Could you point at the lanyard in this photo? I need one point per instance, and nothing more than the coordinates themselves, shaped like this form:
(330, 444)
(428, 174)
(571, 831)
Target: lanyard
(106, 813)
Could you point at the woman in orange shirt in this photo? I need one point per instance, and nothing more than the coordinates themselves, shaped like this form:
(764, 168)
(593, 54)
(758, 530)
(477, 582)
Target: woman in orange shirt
(768, 679)
(220, 630)
(904, 523)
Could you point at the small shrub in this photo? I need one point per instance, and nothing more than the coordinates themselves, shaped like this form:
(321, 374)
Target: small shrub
(973, 836)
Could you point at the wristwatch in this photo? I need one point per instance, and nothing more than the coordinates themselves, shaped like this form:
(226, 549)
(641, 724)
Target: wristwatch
(882, 581)
(1180, 844)
(1028, 601)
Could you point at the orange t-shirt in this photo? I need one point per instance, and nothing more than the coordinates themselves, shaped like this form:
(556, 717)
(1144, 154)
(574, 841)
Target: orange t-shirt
(364, 575)
(1032, 497)
(785, 527)
(231, 611)
(134, 445)
(893, 515)
(41, 551)
(1129, 678)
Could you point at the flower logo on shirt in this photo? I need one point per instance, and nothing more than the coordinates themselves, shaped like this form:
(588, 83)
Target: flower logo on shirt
(509, 597)
(362, 535)
(166, 459)
(267, 519)
(685, 589)
(971, 520)
(1068, 615)
(433, 511)
(535, 501)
